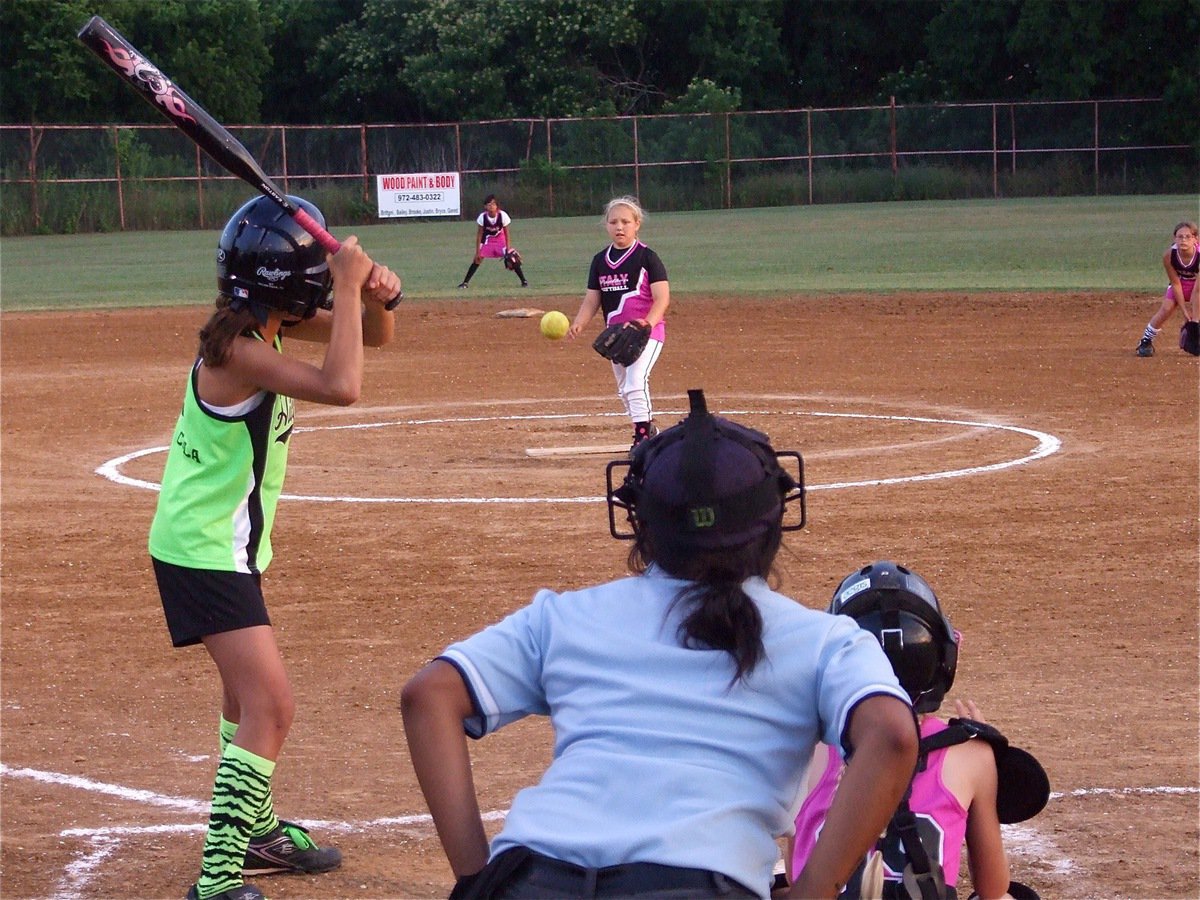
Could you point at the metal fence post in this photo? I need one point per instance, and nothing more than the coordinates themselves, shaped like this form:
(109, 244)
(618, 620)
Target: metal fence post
(120, 183)
(808, 119)
(34, 140)
(549, 167)
(362, 155)
(728, 166)
(637, 167)
(283, 154)
(1012, 134)
(199, 186)
(995, 156)
(892, 133)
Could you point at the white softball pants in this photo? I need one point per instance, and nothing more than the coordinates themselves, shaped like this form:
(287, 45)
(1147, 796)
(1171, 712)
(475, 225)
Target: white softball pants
(633, 383)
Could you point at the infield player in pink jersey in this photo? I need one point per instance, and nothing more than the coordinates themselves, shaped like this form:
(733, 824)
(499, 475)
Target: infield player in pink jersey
(1182, 264)
(491, 239)
(628, 282)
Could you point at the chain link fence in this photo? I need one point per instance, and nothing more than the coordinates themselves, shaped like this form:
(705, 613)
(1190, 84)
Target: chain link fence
(80, 178)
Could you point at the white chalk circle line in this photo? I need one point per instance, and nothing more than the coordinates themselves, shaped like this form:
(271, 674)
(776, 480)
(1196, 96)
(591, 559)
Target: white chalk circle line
(1045, 445)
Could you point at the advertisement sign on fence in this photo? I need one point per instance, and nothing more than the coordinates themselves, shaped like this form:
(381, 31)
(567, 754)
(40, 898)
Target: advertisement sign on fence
(418, 194)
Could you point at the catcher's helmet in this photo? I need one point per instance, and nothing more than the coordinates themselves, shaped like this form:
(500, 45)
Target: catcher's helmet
(266, 261)
(706, 483)
(899, 607)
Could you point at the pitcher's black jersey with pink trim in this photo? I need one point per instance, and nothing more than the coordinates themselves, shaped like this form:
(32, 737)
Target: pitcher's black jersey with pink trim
(623, 278)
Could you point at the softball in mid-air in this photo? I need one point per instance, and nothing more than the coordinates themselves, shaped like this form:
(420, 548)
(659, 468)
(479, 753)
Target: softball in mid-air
(554, 325)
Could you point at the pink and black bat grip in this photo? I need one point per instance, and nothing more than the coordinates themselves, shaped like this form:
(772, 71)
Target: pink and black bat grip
(329, 242)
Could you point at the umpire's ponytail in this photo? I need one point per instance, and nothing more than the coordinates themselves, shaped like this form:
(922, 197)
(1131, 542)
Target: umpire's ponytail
(718, 614)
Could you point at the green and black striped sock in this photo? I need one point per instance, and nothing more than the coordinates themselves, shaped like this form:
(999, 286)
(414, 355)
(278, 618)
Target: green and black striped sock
(266, 821)
(240, 792)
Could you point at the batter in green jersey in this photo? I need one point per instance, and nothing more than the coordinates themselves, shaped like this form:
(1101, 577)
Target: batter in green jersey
(223, 477)
(210, 540)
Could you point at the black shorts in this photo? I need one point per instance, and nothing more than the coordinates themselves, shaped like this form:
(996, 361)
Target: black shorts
(200, 602)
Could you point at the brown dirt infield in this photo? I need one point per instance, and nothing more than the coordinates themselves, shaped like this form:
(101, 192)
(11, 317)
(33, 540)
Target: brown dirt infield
(1073, 576)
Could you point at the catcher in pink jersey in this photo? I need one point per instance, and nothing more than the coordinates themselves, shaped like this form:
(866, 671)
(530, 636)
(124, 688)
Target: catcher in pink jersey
(628, 281)
(959, 795)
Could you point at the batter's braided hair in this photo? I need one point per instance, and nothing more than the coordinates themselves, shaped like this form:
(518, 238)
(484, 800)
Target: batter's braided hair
(225, 324)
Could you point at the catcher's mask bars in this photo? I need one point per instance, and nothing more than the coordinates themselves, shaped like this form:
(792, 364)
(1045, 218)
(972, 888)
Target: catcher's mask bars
(706, 482)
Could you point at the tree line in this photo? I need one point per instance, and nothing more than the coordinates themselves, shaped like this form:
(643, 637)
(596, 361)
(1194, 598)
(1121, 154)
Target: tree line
(334, 61)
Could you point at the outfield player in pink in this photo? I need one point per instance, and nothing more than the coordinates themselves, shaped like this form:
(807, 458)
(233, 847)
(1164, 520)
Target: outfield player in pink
(1182, 263)
(954, 791)
(491, 239)
(628, 282)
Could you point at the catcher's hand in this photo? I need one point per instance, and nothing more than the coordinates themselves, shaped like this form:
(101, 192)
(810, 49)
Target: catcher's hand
(512, 259)
(1189, 338)
(622, 343)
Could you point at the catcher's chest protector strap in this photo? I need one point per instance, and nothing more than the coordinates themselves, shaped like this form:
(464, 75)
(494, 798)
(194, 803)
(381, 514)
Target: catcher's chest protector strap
(1022, 791)
(923, 879)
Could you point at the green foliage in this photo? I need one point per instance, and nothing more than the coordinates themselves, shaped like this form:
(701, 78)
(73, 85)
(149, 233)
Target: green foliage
(51, 77)
(706, 96)
(48, 75)
(308, 82)
(463, 59)
(304, 61)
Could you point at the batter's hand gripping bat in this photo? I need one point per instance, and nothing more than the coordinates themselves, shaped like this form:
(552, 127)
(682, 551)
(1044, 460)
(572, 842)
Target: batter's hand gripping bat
(189, 117)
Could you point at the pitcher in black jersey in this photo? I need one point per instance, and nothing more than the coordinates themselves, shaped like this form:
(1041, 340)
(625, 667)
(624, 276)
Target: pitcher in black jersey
(628, 282)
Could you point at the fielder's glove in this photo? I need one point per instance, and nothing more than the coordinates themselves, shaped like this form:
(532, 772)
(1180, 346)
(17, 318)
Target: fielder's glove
(622, 343)
(1189, 338)
(512, 259)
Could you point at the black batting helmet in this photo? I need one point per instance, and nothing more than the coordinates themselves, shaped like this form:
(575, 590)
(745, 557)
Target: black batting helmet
(900, 608)
(706, 483)
(266, 261)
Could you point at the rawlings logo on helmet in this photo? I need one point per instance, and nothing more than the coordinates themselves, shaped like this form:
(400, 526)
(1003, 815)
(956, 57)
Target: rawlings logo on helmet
(268, 260)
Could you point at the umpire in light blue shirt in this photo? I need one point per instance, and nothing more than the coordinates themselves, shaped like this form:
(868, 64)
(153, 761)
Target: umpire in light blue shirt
(686, 700)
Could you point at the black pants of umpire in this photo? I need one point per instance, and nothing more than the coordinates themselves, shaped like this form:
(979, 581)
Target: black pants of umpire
(543, 878)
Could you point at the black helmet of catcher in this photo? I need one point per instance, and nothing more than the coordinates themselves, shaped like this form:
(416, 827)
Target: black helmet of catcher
(900, 608)
(706, 483)
(266, 261)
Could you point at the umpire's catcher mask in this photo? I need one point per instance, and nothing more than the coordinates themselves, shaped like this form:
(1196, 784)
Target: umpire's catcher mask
(266, 261)
(899, 607)
(706, 483)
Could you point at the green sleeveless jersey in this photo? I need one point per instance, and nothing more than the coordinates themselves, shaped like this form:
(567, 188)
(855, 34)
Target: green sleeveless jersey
(221, 484)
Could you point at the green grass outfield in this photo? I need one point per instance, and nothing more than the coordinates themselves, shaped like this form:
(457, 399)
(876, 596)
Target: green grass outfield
(1049, 244)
